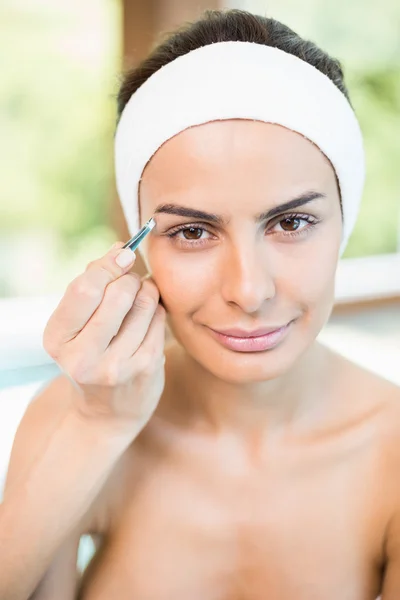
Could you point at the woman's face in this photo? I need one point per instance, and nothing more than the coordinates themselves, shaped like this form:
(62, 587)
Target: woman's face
(241, 269)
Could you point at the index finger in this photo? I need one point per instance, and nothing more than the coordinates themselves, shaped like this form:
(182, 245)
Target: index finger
(85, 293)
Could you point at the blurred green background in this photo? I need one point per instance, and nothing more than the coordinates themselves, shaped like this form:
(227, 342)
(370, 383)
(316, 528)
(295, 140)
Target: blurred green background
(60, 65)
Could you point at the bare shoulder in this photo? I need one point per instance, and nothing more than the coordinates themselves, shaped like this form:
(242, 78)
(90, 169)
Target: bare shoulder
(374, 386)
(369, 393)
(47, 408)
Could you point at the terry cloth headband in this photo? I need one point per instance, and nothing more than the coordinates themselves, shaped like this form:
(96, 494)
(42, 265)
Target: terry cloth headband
(239, 80)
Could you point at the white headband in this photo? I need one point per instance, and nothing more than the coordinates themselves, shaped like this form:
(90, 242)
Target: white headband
(233, 80)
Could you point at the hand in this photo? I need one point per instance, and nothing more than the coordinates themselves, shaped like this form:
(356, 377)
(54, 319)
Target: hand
(108, 336)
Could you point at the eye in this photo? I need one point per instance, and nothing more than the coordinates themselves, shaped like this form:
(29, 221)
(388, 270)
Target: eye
(292, 225)
(192, 235)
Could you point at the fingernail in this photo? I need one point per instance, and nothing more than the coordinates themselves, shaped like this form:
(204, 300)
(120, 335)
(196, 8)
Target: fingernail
(125, 258)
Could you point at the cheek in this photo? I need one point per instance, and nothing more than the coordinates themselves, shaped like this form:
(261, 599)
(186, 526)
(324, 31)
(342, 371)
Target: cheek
(312, 284)
(184, 282)
(317, 294)
(306, 277)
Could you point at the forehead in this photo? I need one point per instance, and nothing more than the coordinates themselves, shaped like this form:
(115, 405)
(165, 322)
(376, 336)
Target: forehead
(227, 153)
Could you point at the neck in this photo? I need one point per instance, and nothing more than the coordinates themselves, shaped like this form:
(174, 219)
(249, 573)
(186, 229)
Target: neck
(293, 399)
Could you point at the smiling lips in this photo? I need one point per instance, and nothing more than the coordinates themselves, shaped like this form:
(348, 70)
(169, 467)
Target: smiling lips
(258, 340)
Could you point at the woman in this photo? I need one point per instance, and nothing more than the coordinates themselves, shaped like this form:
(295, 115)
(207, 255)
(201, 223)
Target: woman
(255, 463)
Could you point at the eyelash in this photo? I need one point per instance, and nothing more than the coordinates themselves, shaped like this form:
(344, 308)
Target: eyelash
(312, 221)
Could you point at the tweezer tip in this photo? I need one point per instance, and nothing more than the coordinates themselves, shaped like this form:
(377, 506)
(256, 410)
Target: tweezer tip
(150, 223)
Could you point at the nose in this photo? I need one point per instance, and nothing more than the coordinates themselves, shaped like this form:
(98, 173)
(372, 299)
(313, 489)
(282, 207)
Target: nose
(247, 280)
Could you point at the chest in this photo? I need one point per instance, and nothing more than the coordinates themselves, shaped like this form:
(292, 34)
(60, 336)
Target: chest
(293, 529)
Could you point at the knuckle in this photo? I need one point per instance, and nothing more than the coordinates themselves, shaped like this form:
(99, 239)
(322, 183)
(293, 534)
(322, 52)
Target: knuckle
(148, 296)
(77, 367)
(122, 299)
(83, 288)
(122, 291)
(145, 302)
(147, 360)
(112, 374)
(90, 265)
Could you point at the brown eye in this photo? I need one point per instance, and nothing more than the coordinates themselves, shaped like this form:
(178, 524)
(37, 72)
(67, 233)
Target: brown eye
(194, 233)
(290, 224)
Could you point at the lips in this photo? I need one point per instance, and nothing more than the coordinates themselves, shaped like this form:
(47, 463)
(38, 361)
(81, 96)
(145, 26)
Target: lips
(247, 341)
(241, 333)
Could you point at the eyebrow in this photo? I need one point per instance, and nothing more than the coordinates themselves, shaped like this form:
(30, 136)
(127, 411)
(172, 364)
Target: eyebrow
(184, 211)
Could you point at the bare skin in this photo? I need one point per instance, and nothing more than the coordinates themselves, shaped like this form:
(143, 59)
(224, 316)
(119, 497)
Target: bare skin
(260, 474)
(195, 511)
(300, 511)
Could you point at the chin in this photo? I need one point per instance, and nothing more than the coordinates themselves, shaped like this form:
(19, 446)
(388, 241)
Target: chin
(245, 367)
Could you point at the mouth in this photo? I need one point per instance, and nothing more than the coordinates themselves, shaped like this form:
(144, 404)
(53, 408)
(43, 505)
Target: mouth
(256, 341)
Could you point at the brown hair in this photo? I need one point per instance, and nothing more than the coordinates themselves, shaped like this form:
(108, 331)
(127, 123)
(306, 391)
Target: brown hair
(229, 25)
